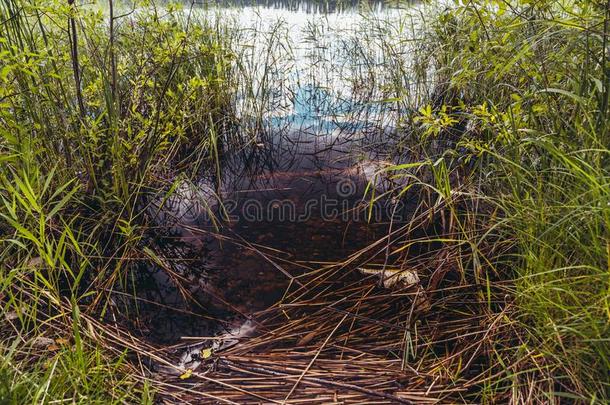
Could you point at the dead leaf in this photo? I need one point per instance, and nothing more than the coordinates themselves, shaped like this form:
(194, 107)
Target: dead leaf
(91, 329)
(11, 316)
(35, 262)
(62, 341)
(422, 301)
(307, 338)
(206, 353)
(42, 341)
(187, 374)
(394, 277)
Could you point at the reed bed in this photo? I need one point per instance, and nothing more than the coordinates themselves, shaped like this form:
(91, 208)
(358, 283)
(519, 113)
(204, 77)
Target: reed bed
(501, 137)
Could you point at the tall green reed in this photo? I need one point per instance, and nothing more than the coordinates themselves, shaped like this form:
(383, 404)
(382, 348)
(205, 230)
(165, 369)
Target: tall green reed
(96, 110)
(526, 87)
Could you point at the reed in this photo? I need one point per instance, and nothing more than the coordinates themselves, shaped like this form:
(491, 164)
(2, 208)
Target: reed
(501, 135)
(97, 110)
(527, 85)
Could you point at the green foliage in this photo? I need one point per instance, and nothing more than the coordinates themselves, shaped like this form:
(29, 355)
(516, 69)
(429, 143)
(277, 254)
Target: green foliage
(95, 108)
(532, 81)
(149, 92)
(72, 374)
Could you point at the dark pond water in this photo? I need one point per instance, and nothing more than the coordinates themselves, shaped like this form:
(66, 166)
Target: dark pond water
(244, 243)
(293, 197)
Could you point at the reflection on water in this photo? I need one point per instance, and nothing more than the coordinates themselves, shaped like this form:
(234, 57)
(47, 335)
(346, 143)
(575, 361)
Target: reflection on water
(275, 223)
(310, 7)
(329, 72)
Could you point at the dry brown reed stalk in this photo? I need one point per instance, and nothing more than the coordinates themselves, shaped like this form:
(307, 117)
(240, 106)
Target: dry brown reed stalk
(337, 337)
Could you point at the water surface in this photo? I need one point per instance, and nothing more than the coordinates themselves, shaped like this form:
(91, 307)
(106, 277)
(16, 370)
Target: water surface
(317, 117)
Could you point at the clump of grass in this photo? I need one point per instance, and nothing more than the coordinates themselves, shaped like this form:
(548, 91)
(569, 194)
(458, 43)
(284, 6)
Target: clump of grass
(522, 93)
(30, 373)
(97, 108)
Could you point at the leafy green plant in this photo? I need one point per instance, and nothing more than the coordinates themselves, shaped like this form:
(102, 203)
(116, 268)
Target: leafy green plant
(97, 108)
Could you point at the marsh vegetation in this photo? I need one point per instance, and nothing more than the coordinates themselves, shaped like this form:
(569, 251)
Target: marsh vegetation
(287, 202)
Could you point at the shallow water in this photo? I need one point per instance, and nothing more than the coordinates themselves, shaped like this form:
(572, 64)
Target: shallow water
(340, 68)
(274, 229)
(294, 197)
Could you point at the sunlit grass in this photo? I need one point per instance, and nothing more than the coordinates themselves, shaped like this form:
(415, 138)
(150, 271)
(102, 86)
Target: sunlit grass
(96, 111)
(529, 83)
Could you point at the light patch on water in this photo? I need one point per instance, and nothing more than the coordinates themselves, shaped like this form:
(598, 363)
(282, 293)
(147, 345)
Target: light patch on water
(340, 73)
